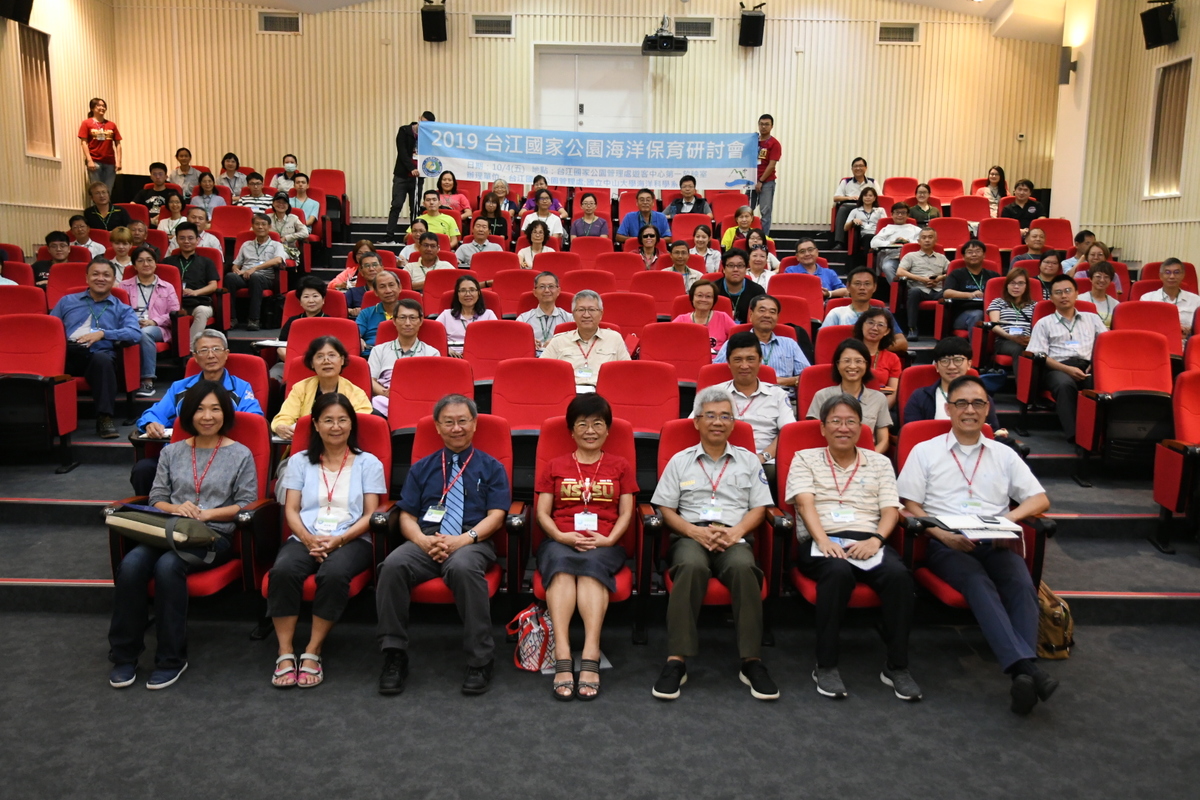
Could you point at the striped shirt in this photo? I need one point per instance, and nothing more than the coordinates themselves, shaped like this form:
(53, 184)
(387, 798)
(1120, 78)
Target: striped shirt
(869, 487)
(1012, 317)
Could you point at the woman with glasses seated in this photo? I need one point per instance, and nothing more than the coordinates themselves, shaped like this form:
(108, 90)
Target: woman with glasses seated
(874, 329)
(327, 357)
(585, 504)
(952, 359)
(703, 296)
(1012, 312)
(466, 307)
(851, 374)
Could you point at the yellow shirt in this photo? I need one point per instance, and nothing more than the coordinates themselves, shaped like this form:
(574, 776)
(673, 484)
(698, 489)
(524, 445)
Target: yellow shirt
(300, 400)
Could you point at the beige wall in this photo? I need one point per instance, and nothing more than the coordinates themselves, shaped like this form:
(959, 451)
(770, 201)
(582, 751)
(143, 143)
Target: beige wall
(39, 194)
(1119, 133)
(335, 94)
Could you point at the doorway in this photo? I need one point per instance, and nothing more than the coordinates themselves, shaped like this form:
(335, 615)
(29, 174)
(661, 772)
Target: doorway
(594, 92)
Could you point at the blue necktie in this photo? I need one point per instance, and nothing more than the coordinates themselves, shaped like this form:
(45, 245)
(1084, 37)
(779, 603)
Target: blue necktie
(452, 522)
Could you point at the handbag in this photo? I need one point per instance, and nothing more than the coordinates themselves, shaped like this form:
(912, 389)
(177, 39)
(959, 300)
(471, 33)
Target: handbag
(535, 639)
(148, 525)
(1056, 626)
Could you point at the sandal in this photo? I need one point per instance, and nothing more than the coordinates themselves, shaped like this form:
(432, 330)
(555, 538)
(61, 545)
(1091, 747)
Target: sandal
(588, 665)
(316, 671)
(281, 673)
(564, 666)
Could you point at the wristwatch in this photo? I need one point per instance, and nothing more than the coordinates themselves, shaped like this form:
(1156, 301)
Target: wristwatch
(877, 536)
(474, 536)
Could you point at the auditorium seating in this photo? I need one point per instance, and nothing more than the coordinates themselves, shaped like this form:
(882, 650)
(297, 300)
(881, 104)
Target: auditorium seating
(684, 345)
(22, 300)
(1176, 460)
(664, 287)
(1149, 315)
(356, 371)
(38, 401)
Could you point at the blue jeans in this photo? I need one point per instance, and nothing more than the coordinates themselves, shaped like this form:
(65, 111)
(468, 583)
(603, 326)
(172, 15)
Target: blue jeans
(131, 603)
(966, 320)
(105, 173)
(149, 354)
(765, 200)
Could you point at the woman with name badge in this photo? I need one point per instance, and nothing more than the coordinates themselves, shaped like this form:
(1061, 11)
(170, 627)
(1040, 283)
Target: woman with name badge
(585, 505)
(333, 487)
(851, 374)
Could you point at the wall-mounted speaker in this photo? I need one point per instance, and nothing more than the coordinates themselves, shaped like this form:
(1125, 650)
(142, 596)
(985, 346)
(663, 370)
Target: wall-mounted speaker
(1160, 26)
(433, 23)
(751, 33)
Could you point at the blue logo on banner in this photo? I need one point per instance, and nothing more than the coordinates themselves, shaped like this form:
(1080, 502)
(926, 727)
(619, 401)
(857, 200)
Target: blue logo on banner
(431, 166)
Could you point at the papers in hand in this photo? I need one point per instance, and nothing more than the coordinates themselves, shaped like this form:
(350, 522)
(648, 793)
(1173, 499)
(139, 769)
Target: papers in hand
(270, 343)
(865, 563)
(976, 527)
(167, 433)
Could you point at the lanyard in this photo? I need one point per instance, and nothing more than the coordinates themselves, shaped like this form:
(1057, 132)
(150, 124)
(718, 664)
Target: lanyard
(971, 480)
(446, 487)
(717, 482)
(977, 282)
(329, 490)
(591, 347)
(768, 349)
(258, 250)
(546, 323)
(706, 321)
(92, 313)
(146, 297)
(731, 295)
(741, 412)
(586, 484)
(833, 473)
(1070, 328)
(198, 478)
(1020, 311)
(400, 353)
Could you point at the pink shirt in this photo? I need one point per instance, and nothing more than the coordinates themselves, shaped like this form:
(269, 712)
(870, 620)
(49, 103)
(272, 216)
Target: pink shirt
(455, 202)
(720, 325)
(158, 302)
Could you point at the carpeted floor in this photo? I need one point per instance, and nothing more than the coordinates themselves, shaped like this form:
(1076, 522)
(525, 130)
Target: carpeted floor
(1123, 725)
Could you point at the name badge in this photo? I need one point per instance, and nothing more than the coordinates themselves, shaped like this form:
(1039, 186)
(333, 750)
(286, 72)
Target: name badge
(842, 515)
(711, 513)
(685, 484)
(1015, 331)
(434, 514)
(585, 374)
(1072, 343)
(326, 524)
(586, 521)
(971, 506)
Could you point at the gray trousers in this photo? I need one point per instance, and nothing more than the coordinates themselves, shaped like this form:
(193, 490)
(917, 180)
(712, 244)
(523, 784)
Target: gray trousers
(408, 566)
(293, 565)
(691, 566)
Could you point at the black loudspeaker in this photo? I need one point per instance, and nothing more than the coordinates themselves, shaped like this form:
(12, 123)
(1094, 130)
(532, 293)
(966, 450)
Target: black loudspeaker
(751, 34)
(1159, 26)
(433, 23)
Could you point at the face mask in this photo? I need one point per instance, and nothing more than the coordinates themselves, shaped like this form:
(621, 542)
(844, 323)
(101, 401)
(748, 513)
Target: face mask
(289, 167)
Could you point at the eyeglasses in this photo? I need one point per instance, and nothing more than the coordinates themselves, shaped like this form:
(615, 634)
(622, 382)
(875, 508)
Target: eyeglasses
(875, 323)
(209, 351)
(595, 425)
(951, 361)
(649, 236)
(587, 311)
(326, 357)
(843, 422)
(711, 417)
(408, 318)
(852, 362)
(962, 405)
(542, 287)
(1062, 292)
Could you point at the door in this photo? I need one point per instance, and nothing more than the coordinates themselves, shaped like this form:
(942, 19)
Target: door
(591, 92)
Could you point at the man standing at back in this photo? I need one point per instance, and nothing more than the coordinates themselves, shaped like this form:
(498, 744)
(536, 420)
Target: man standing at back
(769, 150)
(406, 178)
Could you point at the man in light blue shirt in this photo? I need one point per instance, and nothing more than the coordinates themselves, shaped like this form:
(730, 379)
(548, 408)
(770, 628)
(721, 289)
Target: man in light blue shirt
(806, 256)
(779, 352)
(633, 222)
(94, 321)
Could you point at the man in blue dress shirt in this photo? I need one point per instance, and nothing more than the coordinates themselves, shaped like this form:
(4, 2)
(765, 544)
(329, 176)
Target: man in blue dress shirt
(453, 501)
(94, 322)
(633, 222)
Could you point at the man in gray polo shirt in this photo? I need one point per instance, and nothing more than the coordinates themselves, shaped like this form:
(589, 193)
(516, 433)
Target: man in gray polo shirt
(713, 496)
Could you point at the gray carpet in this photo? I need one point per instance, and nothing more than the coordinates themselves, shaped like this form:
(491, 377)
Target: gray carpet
(1110, 564)
(222, 731)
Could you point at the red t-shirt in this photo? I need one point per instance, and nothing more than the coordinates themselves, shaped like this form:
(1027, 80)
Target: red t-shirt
(100, 138)
(609, 478)
(768, 150)
(885, 366)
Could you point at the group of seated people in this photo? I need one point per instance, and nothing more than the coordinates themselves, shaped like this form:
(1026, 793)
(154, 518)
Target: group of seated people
(713, 498)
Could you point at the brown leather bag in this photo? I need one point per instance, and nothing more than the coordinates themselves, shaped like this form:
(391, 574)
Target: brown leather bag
(1056, 626)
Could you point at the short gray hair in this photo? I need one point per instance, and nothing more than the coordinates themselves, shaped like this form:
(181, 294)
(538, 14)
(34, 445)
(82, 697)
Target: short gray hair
(841, 399)
(209, 333)
(710, 394)
(587, 294)
(454, 400)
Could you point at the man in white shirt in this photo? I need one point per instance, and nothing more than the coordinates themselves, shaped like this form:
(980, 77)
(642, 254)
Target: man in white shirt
(964, 472)
(847, 193)
(383, 358)
(901, 230)
(254, 268)
(588, 346)
(199, 218)
(83, 236)
(479, 243)
(1171, 273)
(1066, 337)
(547, 316)
(427, 262)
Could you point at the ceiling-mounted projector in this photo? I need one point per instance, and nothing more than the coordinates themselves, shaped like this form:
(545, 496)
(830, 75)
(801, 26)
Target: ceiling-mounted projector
(663, 42)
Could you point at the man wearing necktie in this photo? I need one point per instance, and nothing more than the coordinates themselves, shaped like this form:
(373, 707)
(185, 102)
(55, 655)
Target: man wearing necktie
(452, 502)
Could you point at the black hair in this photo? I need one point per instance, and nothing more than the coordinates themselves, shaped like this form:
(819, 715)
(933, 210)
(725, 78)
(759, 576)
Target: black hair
(428, 192)
(1024, 182)
(254, 176)
(973, 243)
(182, 150)
(874, 203)
(80, 217)
(643, 191)
(453, 182)
(1083, 235)
(137, 253)
(195, 395)
(861, 349)
(691, 292)
(428, 116)
(228, 156)
(742, 340)
(734, 251)
(410, 304)
(187, 226)
(456, 307)
(964, 380)
(95, 101)
(587, 405)
(102, 260)
(537, 223)
(951, 346)
(200, 179)
(301, 175)
(286, 156)
(860, 271)
(687, 178)
(311, 282)
(651, 229)
(1003, 180)
(857, 159)
(808, 239)
(586, 195)
(767, 116)
(897, 206)
(158, 165)
(541, 178)
(875, 311)
(260, 217)
(707, 231)
(316, 445)
(841, 399)
(758, 298)
(677, 243)
(321, 341)
(428, 236)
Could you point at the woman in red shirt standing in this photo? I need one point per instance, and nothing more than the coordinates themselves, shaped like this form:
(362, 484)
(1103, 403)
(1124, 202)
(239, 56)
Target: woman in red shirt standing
(585, 505)
(101, 143)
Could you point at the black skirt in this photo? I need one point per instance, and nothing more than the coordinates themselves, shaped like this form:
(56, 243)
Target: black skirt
(602, 563)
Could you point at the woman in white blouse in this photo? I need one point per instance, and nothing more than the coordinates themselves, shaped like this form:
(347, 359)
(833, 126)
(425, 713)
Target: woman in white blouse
(466, 307)
(539, 234)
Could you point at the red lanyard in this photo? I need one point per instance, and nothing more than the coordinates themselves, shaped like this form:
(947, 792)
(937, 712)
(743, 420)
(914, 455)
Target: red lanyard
(741, 412)
(446, 487)
(586, 484)
(591, 347)
(198, 478)
(717, 482)
(330, 489)
(833, 473)
(978, 461)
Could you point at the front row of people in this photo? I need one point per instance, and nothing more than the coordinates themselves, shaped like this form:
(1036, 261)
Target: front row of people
(712, 497)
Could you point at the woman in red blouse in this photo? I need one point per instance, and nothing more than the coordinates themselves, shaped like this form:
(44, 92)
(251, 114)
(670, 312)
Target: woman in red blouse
(585, 505)
(875, 329)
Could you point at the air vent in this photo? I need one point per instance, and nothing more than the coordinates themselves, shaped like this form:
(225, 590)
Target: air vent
(278, 22)
(694, 27)
(899, 33)
(491, 25)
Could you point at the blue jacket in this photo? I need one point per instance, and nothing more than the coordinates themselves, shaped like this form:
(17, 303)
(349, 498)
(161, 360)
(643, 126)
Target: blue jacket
(166, 410)
(921, 405)
(116, 319)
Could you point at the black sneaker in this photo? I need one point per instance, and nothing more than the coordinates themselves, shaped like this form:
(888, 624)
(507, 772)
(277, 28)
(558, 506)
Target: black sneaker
(902, 683)
(673, 675)
(106, 428)
(1024, 694)
(754, 674)
(913, 336)
(1044, 685)
(252, 325)
(395, 672)
(479, 679)
(829, 682)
